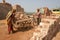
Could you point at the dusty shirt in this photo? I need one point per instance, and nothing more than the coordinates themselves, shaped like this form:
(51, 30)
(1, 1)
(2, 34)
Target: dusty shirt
(38, 15)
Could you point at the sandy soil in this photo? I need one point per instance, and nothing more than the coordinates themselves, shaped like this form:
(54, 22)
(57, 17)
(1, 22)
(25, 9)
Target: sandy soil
(20, 35)
(57, 37)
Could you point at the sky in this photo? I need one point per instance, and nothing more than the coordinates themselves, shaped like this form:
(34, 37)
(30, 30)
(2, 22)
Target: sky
(32, 5)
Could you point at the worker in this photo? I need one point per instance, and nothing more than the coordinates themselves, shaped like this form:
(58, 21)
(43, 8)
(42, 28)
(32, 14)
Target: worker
(38, 16)
(10, 18)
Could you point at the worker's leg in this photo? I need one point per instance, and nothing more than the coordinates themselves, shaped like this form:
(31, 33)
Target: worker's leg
(9, 29)
(38, 21)
(12, 28)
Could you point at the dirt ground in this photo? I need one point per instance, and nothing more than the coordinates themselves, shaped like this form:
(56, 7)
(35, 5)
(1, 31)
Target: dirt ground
(57, 37)
(20, 35)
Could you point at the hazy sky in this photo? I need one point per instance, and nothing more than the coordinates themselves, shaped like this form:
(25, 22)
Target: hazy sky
(32, 5)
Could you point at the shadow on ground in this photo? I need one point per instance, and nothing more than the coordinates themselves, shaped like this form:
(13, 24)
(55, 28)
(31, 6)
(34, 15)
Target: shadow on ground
(23, 29)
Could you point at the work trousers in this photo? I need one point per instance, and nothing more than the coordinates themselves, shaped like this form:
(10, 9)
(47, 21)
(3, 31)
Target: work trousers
(38, 20)
(10, 28)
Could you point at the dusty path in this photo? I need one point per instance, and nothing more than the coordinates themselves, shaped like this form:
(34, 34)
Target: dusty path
(21, 35)
(57, 37)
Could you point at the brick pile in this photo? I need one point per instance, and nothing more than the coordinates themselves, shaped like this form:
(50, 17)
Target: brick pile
(47, 29)
(18, 8)
(22, 20)
(46, 11)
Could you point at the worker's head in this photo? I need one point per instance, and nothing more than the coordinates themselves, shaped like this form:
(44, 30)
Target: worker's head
(13, 10)
(38, 10)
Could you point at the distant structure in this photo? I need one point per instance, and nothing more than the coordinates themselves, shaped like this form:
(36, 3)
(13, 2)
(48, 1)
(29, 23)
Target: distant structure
(46, 11)
(4, 9)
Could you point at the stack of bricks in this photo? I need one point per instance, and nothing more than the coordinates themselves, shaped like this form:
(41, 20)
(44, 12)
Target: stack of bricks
(46, 29)
(22, 20)
(18, 8)
(46, 11)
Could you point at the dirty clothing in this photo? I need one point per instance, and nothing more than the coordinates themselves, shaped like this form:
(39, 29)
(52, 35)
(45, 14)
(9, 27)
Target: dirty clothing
(9, 22)
(10, 28)
(38, 18)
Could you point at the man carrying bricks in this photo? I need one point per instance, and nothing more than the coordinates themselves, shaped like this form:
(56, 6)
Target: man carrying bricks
(10, 18)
